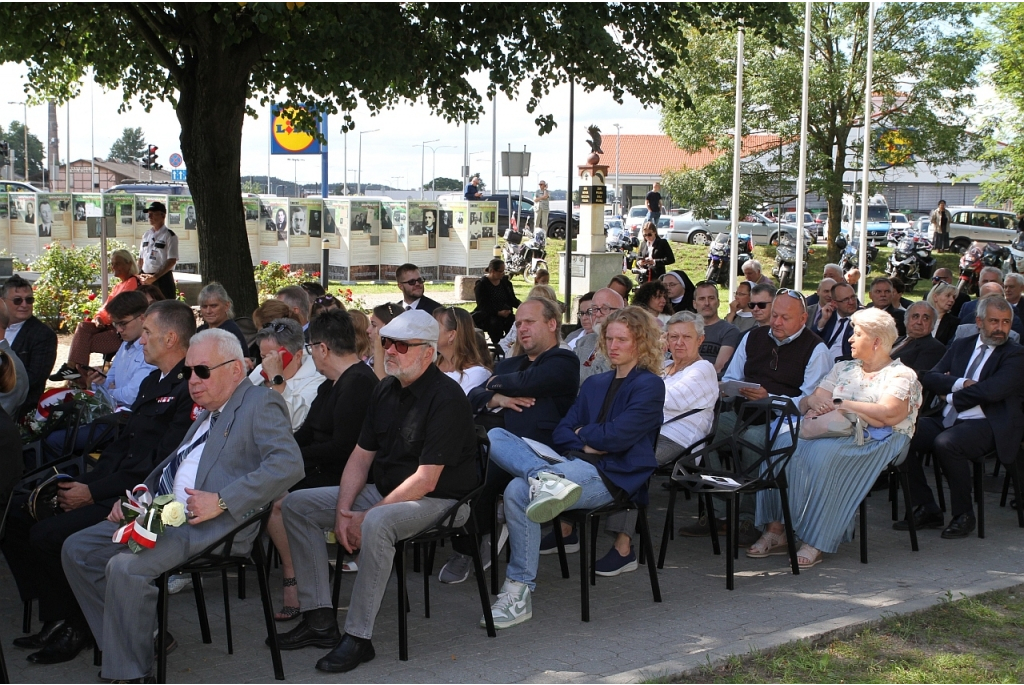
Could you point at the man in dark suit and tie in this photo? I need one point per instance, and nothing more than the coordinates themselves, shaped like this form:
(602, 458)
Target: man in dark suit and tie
(833, 321)
(238, 457)
(411, 284)
(881, 294)
(919, 349)
(979, 377)
(31, 339)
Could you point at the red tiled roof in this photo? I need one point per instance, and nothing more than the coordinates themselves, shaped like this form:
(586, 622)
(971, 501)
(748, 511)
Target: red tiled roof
(649, 155)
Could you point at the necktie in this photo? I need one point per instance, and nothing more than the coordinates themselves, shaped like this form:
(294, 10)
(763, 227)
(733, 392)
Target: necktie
(840, 327)
(166, 486)
(408, 307)
(951, 416)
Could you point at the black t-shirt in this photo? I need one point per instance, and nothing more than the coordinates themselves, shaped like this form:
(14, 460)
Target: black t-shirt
(654, 201)
(429, 422)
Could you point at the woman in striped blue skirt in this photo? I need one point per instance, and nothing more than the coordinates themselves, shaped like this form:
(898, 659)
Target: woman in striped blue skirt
(828, 477)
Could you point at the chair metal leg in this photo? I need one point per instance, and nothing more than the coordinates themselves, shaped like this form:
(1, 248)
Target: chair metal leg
(227, 607)
(938, 483)
(562, 560)
(428, 567)
(415, 558)
(905, 485)
(584, 571)
(648, 545)
(995, 469)
(268, 612)
(478, 569)
(979, 495)
(161, 636)
(709, 512)
(403, 619)
(894, 497)
(1013, 470)
(204, 619)
(863, 531)
(1006, 489)
(595, 524)
(668, 533)
(735, 547)
(790, 535)
(339, 559)
(4, 676)
(730, 565)
(241, 581)
(494, 549)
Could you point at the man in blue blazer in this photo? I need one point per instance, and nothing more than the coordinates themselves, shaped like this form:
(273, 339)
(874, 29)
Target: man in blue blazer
(602, 450)
(979, 377)
(527, 396)
(833, 321)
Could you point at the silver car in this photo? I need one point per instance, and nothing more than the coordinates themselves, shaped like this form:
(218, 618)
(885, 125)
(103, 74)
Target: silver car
(979, 224)
(687, 228)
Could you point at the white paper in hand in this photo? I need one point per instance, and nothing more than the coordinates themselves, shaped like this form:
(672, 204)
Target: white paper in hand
(546, 453)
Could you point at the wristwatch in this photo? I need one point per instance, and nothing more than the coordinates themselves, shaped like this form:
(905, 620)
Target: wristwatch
(277, 380)
(838, 401)
(221, 503)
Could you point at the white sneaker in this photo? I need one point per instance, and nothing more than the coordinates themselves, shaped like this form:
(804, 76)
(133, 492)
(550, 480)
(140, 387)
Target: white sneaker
(550, 495)
(176, 584)
(513, 606)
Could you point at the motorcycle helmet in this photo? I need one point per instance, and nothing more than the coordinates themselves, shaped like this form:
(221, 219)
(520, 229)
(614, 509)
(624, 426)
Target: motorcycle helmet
(840, 242)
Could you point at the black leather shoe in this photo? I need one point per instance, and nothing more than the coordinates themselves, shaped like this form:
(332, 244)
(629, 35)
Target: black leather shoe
(922, 519)
(40, 639)
(64, 646)
(959, 527)
(303, 635)
(349, 653)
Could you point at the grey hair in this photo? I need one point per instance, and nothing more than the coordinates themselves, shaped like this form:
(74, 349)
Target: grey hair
(986, 303)
(991, 270)
(216, 291)
(688, 317)
(938, 289)
(924, 303)
(753, 264)
(876, 323)
(291, 338)
(831, 267)
(225, 343)
(1015, 277)
(126, 257)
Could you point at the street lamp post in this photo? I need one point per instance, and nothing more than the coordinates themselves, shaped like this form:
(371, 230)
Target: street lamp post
(618, 188)
(359, 173)
(24, 128)
(295, 173)
(423, 155)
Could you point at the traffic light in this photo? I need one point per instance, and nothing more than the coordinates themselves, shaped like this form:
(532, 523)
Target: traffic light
(149, 158)
(5, 153)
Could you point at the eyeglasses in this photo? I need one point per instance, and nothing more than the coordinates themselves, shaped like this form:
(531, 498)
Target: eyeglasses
(202, 370)
(758, 305)
(18, 300)
(123, 324)
(603, 310)
(586, 313)
(310, 345)
(851, 298)
(278, 328)
(413, 281)
(401, 346)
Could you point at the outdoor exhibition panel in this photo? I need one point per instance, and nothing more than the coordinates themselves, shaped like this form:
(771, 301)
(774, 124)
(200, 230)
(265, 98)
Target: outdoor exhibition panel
(181, 218)
(335, 229)
(467, 236)
(415, 225)
(362, 233)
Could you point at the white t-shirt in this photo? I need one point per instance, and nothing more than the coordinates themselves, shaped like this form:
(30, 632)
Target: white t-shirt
(470, 378)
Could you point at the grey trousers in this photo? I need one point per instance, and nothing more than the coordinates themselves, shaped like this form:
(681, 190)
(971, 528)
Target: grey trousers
(308, 513)
(117, 592)
(625, 522)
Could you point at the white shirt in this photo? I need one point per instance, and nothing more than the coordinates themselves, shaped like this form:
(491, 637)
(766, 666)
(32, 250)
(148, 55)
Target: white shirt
(185, 476)
(157, 248)
(12, 332)
(976, 411)
(470, 378)
(695, 387)
(299, 390)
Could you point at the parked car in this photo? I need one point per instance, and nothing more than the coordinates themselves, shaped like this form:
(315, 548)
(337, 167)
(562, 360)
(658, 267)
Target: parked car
(556, 217)
(690, 229)
(154, 188)
(18, 187)
(979, 224)
(900, 222)
(635, 218)
(810, 224)
(612, 223)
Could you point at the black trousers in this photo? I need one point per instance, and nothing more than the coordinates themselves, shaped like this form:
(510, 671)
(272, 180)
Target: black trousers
(942, 240)
(954, 447)
(497, 327)
(32, 549)
(166, 285)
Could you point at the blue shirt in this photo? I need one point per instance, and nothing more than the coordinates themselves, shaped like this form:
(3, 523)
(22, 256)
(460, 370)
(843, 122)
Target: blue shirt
(471, 191)
(126, 374)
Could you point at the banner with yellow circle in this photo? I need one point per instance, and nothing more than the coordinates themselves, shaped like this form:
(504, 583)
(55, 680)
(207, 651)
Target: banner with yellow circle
(285, 138)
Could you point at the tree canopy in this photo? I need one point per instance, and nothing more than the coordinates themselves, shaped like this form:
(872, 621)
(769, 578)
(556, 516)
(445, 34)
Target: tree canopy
(209, 60)
(1003, 40)
(129, 147)
(926, 64)
(443, 183)
(14, 136)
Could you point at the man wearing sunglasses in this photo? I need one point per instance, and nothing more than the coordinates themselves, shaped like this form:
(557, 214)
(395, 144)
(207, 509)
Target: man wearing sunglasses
(418, 439)
(411, 284)
(161, 415)
(238, 456)
(29, 338)
(761, 297)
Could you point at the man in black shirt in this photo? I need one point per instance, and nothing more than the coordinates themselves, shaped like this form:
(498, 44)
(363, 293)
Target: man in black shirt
(418, 438)
(654, 205)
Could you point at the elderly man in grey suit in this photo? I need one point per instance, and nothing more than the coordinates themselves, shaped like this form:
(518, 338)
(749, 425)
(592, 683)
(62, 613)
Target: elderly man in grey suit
(238, 457)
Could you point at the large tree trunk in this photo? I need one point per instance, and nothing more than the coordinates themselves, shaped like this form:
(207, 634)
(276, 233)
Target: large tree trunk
(213, 88)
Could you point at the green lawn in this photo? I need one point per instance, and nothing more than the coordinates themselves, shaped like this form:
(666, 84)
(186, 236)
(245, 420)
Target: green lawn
(970, 640)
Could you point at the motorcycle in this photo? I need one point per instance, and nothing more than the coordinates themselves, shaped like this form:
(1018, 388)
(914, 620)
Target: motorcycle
(785, 257)
(718, 256)
(524, 259)
(619, 240)
(911, 260)
(848, 254)
(1015, 261)
(973, 260)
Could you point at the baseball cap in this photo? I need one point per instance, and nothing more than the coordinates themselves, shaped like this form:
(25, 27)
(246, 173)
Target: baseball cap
(414, 324)
(156, 207)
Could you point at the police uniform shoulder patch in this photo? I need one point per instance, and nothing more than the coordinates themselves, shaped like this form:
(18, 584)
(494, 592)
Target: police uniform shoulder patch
(170, 232)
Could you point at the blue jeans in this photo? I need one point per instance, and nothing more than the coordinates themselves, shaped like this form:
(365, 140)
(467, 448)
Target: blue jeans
(515, 456)
(653, 217)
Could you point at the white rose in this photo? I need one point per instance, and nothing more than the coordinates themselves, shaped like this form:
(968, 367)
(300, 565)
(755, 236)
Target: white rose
(173, 514)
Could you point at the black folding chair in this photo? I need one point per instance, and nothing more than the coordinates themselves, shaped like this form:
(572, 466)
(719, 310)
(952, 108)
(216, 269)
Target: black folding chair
(776, 416)
(895, 473)
(219, 557)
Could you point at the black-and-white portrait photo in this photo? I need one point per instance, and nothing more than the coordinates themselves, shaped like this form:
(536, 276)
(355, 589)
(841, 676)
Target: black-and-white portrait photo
(359, 223)
(109, 208)
(298, 226)
(30, 213)
(174, 219)
(445, 223)
(329, 221)
(126, 211)
(190, 218)
(45, 219)
(281, 224)
(429, 220)
(79, 211)
(487, 232)
(314, 223)
(252, 214)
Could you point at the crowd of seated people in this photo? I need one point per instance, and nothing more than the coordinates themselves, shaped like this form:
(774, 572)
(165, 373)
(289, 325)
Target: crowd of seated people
(378, 418)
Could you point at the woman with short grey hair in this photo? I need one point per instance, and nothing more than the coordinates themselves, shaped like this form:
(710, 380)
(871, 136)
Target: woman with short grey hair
(285, 367)
(217, 311)
(942, 297)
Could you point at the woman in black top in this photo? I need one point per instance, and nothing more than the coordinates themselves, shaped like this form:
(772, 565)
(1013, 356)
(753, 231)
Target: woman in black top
(495, 300)
(655, 253)
(217, 311)
(331, 429)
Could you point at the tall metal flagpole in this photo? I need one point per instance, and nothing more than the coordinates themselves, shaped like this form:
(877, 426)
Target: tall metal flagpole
(862, 265)
(801, 198)
(736, 156)
(568, 205)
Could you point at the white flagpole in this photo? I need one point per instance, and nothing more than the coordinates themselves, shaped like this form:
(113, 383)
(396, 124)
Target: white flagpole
(736, 156)
(862, 265)
(801, 198)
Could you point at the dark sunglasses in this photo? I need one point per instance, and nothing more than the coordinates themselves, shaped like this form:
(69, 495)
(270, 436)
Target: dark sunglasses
(413, 281)
(401, 346)
(278, 328)
(328, 298)
(707, 284)
(795, 294)
(758, 305)
(18, 300)
(203, 371)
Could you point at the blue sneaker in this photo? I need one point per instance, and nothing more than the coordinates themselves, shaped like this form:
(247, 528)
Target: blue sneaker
(612, 564)
(571, 541)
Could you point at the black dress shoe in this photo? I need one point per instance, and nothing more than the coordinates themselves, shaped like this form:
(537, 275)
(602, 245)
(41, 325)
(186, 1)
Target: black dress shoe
(304, 635)
(40, 639)
(64, 646)
(349, 653)
(959, 527)
(922, 519)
